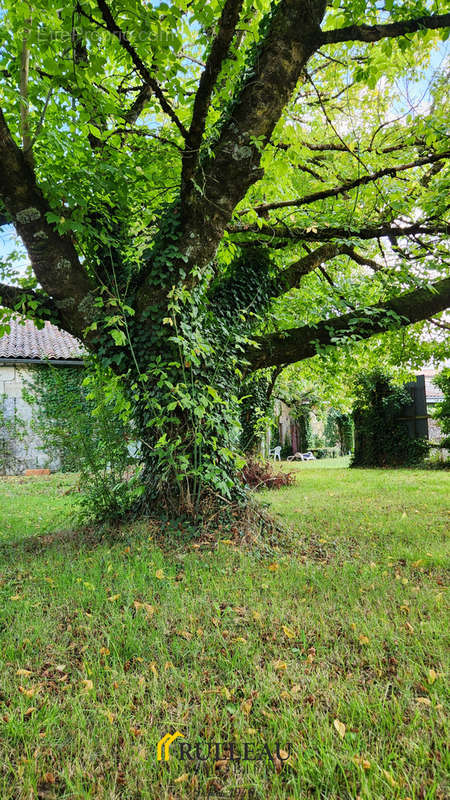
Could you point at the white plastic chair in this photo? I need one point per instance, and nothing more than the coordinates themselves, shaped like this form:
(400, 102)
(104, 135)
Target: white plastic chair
(276, 453)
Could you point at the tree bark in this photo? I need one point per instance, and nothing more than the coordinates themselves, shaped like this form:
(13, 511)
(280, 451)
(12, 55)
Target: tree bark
(297, 344)
(53, 256)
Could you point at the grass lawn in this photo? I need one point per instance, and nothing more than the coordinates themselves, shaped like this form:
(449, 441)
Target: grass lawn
(330, 639)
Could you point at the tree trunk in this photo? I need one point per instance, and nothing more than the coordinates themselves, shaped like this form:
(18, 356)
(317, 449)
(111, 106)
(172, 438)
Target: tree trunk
(181, 359)
(186, 413)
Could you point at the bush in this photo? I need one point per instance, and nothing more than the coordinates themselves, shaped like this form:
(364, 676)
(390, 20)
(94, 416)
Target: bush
(286, 449)
(81, 419)
(255, 411)
(443, 409)
(339, 430)
(381, 436)
(261, 474)
(321, 453)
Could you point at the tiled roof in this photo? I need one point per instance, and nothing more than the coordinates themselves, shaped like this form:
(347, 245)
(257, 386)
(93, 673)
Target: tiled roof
(26, 341)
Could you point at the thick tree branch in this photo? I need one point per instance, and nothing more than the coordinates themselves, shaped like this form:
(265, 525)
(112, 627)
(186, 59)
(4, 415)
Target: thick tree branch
(341, 148)
(313, 234)
(29, 303)
(440, 324)
(373, 33)
(306, 341)
(218, 53)
(307, 199)
(139, 104)
(53, 257)
(222, 181)
(142, 68)
(291, 276)
(363, 261)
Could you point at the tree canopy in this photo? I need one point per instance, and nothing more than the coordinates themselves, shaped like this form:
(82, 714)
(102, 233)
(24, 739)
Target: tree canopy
(247, 160)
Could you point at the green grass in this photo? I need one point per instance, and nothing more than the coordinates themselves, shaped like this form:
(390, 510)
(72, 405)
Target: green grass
(342, 618)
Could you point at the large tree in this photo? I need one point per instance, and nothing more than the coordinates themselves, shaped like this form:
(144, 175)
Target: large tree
(178, 172)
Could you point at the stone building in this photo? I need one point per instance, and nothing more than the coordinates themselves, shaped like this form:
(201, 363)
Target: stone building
(22, 350)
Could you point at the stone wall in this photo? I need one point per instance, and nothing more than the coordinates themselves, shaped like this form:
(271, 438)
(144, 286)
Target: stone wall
(17, 453)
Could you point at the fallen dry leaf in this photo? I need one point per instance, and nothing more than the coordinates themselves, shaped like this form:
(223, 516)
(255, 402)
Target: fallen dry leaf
(432, 675)
(340, 727)
(28, 692)
(108, 714)
(149, 610)
(278, 764)
(24, 672)
(288, 632)
(246, 706)
(361, 762)
(363, 639)
(391, 781)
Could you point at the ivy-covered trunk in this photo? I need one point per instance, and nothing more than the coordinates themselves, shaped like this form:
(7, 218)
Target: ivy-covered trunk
(185, 410)
(183, 369)
(187, 426)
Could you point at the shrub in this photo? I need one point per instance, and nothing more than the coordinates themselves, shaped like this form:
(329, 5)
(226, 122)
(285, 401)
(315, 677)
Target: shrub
(443, 409)
(286, 449)
(339, 430)
(381, 435)
(255, 411)
(81, 418)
